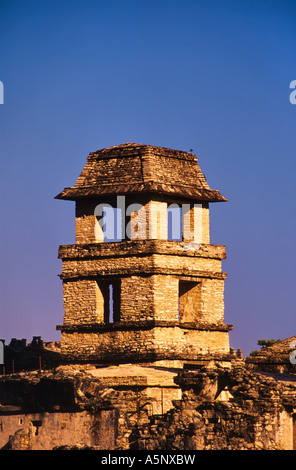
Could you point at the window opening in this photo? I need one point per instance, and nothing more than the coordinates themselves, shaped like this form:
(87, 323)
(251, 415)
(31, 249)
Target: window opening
(175, 222)
(189, 301)
(37, 424)
(111, 296)
(110, 221)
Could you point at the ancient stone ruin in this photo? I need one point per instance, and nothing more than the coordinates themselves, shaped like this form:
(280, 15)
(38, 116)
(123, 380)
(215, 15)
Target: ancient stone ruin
(144, 360)
(167, 299)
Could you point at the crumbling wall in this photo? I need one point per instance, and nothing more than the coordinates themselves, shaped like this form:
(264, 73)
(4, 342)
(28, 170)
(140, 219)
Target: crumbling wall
(213, 408)
(71, 406)
(225, 410)
(41, 431)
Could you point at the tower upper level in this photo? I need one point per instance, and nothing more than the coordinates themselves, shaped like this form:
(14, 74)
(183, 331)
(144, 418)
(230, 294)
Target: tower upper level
(134, 191)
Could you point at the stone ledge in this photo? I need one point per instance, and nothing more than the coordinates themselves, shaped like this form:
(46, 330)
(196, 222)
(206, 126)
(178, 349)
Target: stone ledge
(141, 271)
(134, 375)
(139, 248)
(141, 325)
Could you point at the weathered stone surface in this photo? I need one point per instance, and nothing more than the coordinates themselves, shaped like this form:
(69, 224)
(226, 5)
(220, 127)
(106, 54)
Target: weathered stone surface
(256, 415)
(148, 408)
(81, 406)
(173, 382)
(280, 357)
(168, 296)
(136, 168)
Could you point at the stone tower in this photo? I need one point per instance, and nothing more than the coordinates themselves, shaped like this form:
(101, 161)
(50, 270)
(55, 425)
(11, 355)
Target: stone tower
(142, 283)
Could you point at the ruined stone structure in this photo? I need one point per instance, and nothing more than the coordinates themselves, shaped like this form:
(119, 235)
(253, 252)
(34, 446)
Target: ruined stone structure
(144, 359)
(279, 357)
(145, 408)
(149, 296)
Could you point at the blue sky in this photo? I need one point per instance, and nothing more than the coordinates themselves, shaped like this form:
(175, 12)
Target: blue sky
(212, 76)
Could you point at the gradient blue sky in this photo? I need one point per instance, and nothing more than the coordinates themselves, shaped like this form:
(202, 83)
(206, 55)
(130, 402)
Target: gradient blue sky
(212, 76)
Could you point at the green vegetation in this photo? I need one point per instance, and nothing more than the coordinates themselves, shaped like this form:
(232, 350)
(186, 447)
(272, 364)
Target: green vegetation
(264, 343)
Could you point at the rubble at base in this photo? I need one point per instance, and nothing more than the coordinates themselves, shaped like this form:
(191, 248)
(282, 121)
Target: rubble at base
(148, 408)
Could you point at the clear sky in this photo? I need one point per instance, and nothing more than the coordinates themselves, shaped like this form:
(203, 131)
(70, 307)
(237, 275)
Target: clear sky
(212, 76)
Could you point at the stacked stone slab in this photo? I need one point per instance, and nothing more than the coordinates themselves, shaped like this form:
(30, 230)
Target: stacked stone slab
(167, 297)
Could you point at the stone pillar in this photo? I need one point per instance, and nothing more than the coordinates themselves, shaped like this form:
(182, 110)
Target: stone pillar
(196, 224)
(157, 220)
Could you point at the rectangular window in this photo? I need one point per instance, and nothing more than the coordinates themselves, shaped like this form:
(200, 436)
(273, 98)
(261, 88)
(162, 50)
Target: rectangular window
(112, 226)
(111, 297)
(108, 227)
(175, 222)
(189, 301)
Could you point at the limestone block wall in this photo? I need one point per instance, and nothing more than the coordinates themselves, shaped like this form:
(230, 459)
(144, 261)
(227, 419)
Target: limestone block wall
(276, 429)
(157, 220)
(212, 300)
(182, 343)
(165, 297)
(149, 277)
(196, 223)
(205, 224)
(110, 346)
(83, 301)
(41, 431)
(144, 298)
(142, 265)
(187, 264)
(137, 298)
(141, 247)
(78, 344)
(85, 222)
(156, 281)
(146, 344)
(153, 297)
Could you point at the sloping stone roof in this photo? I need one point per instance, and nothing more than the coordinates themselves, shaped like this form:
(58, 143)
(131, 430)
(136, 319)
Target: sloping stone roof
(136, 168)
